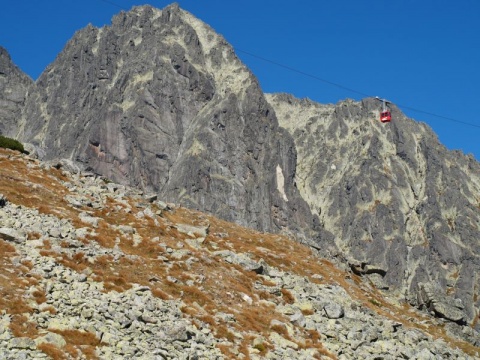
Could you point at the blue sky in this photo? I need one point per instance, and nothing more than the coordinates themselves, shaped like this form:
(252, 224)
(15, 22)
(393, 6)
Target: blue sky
(422, 55)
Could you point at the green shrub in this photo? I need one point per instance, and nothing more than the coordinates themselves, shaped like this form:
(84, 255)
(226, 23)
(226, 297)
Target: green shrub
(13, 144)
(375, 302)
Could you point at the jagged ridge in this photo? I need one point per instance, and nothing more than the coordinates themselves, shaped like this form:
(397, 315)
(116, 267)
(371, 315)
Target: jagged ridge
(397, 200)
(159, 101)
(14, 85)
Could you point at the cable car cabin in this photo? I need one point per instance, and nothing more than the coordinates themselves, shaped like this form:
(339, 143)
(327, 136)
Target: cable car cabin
(385, 116)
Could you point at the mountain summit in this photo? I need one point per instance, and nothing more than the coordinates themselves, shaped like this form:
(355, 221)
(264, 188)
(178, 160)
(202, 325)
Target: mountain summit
(159, 101)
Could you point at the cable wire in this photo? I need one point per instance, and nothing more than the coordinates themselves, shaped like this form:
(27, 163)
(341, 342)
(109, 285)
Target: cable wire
(114, 4)
(438, 116)
(353, 90)
(303, 73)
(292, 69)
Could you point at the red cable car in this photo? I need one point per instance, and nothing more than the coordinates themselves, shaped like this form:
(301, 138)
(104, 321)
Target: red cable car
(385, 114)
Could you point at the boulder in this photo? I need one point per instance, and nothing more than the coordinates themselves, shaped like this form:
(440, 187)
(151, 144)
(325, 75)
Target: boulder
(3, 200)
(333, 310)
(442, 305)
(13, 235)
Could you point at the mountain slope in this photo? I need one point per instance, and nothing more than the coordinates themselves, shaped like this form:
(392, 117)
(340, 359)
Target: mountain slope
(403, 207)
(92, 269)
(159, 101)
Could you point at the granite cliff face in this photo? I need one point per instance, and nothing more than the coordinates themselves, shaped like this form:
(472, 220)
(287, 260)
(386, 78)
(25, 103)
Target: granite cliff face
(14, 85)
(159, 101)
(404, 209)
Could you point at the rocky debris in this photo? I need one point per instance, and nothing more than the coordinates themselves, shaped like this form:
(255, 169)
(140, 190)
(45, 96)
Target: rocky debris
(352, 331)
(241, 259)
(133, 323)
(193, 231)
(65, 164)
(403, 208)
(442, 305)
(13, 235)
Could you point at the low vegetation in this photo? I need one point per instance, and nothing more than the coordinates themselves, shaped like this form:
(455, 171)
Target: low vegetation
(12, 144)
(207, 286)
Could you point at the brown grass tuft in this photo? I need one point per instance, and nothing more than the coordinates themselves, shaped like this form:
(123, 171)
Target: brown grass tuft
(160, 294)
(281, 330)
(52, 351)
(192, 294)
(223, 332)
(308, 312)
(34, 236)
(287, 296)
(78, 337)
(40, 296)
(21, 327)
(208, 319)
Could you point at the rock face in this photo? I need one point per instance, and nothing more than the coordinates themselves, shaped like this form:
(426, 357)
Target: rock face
(159, 101)
(14, 85)
(401, 206)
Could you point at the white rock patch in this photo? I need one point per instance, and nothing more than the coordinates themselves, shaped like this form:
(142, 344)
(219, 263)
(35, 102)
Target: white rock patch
(281, 183)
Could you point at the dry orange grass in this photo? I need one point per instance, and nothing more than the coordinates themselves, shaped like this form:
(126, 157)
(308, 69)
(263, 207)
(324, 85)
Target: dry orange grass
(77, 337)
(223, 287)
(79, 341)
(21, 327)
(14, 281)
(54, 352)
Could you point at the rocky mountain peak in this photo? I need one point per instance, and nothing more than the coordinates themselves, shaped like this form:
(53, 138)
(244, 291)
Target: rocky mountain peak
(403, 208)
(158, 100)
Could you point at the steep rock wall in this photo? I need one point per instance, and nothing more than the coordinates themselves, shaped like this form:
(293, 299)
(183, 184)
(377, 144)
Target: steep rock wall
(158, 100)
(14, 86)
(404, 208)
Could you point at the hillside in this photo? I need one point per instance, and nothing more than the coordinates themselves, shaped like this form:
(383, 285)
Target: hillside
(158, 103)
(92, 269)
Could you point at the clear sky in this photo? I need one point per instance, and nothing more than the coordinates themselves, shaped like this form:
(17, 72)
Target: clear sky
(420, 54)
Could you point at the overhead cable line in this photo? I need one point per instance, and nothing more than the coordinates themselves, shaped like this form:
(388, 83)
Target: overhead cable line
(350, 89)
(438, 116)
(303, 73)
(114, 4)
(292, 69)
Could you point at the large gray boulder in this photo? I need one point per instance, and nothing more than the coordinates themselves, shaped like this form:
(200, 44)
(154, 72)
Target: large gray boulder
(443, 306)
